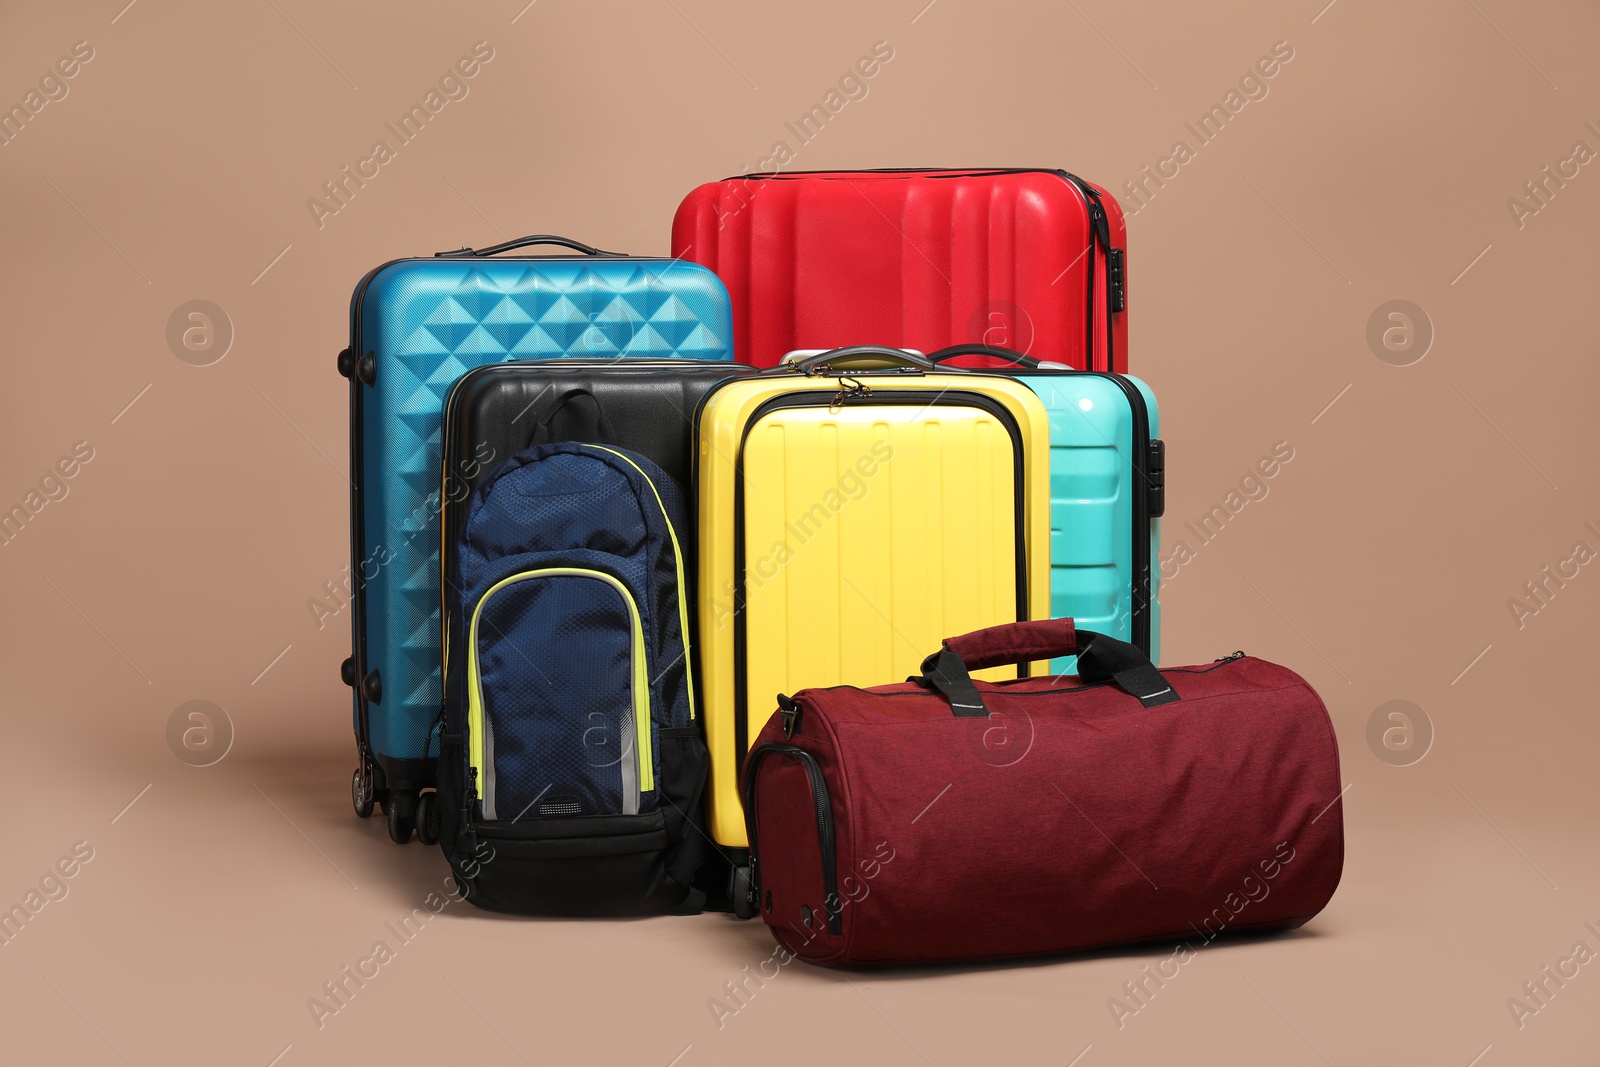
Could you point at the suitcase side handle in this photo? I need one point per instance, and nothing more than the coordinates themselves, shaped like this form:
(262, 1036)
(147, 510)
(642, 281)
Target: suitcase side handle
(822, 361)
(1015, 358)
(1100, 659)
(525, 242)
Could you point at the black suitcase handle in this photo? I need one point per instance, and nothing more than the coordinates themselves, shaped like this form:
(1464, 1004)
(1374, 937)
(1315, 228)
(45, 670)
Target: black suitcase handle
(525, 242)
(812, 364)
(543, 433)
(1015, 358)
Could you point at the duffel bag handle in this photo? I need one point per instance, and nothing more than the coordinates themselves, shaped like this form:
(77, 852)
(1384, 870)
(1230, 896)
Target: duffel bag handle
(524, 242)
(810, 364)
(1100, 659)
(1015, 358)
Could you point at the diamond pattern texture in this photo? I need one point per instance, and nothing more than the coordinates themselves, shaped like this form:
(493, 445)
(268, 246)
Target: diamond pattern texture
(429, 321)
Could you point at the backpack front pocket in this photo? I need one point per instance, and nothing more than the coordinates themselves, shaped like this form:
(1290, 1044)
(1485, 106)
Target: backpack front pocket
(558, 697)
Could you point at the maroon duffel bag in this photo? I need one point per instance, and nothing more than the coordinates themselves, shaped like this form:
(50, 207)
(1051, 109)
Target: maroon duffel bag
(942, 819)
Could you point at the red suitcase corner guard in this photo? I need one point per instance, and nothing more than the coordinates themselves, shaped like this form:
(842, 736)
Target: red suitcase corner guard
(1069, 813)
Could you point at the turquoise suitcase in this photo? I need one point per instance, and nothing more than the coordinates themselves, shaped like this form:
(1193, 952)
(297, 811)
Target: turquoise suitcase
(417, 325)
(1107, 494)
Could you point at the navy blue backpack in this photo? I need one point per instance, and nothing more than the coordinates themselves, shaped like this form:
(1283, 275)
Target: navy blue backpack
(572, 762)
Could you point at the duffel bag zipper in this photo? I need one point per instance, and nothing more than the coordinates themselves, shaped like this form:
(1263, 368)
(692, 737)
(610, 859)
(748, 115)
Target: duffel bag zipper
(824, 812)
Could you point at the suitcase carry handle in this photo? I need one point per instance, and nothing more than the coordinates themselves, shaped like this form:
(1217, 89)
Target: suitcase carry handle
(1017, 359)
(1100, 659)
(542, 433)
(813, 364)
(524, 242)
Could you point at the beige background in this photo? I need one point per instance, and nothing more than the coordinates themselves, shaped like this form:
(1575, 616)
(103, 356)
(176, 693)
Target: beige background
(1380, 564)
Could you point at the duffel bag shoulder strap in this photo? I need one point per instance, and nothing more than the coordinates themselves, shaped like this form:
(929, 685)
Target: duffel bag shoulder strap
(1100, 659)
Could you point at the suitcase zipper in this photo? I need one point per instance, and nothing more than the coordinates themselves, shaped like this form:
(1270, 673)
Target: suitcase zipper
(1142, 454)
(825, 837)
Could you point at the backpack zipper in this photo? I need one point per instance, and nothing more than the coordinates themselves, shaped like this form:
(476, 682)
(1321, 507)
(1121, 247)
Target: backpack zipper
(480, 729)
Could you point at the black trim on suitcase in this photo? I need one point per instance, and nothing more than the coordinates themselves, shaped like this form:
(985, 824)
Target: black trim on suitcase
(1142, 454)
(880, 395)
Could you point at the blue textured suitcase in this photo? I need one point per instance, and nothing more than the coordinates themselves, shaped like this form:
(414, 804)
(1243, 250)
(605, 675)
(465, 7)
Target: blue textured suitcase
(1107, 493)
(416, 325)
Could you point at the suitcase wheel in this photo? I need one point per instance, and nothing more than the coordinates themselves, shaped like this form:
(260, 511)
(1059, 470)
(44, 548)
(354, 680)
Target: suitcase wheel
(428, 818)
(742, 893)
(401, 810)
(361, 797)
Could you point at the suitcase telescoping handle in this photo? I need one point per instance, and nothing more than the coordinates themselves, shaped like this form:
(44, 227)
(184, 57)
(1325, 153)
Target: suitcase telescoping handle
(525, 242)
(1015, 358)
(823, 361)
(1100, 659)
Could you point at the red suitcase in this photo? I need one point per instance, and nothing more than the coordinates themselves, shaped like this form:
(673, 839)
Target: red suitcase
(946, 820)
(1032, 260)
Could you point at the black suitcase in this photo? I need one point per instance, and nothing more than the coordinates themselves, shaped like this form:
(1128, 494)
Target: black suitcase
(647, 407)
(496, 411)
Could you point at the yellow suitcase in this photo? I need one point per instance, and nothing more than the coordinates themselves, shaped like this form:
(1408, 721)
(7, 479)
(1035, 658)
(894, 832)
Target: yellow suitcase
(849, 520)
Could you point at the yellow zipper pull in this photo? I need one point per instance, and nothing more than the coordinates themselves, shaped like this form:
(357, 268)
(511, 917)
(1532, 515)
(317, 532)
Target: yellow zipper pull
(848, 388)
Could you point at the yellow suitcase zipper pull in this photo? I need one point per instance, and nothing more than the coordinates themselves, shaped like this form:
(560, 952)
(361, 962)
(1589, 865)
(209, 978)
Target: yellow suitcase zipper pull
(848, 388)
